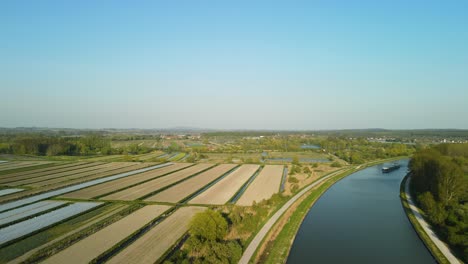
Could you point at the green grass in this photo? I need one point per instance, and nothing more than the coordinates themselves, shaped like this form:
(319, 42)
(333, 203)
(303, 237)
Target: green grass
(419, 230)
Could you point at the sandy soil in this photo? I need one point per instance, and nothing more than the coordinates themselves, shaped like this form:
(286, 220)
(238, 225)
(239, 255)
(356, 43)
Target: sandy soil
(186, 188)
(225, 189)
(108, 187)
(156, 184)
(152, 246)
(264, 186)
(91, 247)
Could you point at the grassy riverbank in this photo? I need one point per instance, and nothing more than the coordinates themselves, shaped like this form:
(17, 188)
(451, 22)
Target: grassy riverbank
(440, 258)
(277, 250)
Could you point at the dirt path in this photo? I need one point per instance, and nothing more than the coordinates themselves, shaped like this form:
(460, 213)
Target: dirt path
(248, 253)
(427, 228)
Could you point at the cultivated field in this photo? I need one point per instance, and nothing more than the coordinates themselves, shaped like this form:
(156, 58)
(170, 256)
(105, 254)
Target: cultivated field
(264, 186)
(28, 210)
(91, 247)
(116, 185)
(106, 170)
(4, 166)
(157, 241)
(27, 179)
(9, 191)
(57, 235)
(156, 184)
(23, 228)
(47, 195)
(225, 189)
(41, 172)
(190, 186)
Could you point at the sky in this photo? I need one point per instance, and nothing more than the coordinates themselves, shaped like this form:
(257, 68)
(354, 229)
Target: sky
(288, 65)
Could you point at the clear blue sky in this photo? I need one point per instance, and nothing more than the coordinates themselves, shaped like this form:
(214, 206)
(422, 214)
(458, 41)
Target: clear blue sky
(234, 64)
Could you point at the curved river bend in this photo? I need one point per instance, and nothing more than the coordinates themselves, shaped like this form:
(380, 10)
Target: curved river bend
(360, 219)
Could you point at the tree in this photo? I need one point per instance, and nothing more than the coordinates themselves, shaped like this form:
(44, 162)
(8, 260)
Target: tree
(206, 243)
(208, 225)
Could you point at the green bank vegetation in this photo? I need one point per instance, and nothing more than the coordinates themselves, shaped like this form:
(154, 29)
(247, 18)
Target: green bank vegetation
(421, 233)
(440, 185)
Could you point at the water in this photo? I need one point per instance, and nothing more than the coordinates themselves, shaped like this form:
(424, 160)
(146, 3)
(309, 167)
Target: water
(304, 160)
(310, 146)
(360, 220)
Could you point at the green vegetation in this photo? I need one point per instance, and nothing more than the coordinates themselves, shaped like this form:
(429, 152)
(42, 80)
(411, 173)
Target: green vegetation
(207, 243)
(440, 184)
(219, 235)
(360, 150)
(421, 233)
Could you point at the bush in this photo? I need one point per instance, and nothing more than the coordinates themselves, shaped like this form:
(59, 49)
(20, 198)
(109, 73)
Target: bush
(335, 164)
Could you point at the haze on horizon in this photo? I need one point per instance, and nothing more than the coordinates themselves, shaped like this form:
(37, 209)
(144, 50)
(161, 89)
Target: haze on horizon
(239, 65)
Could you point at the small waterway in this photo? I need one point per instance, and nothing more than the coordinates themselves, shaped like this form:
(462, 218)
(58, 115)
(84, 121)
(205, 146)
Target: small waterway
(360, 219)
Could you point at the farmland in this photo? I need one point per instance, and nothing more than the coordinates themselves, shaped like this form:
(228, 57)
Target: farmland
(26, 227)
(264, 186)
(190, 186)
(116, 185)
(226, 188)
(135, 204)
(110, 233)
(156, 184)
(104, 239)
(157, 241)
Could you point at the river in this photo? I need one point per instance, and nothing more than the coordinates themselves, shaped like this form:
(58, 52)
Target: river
(360, 219)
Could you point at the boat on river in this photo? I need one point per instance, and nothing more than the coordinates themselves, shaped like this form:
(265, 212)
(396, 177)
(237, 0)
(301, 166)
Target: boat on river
(395, 166)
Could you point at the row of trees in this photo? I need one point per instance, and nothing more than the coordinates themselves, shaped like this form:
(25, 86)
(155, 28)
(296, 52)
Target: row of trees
(54, 145)
(440, 182)
(360, 150)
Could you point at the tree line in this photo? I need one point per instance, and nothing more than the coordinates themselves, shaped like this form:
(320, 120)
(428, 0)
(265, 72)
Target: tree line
(440, 183)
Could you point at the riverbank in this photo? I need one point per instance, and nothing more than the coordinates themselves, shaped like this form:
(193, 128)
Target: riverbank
(439, 251)
(276, 245)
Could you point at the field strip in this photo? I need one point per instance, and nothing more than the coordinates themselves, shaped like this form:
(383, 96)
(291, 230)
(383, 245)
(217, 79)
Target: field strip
(22, 212)
(225, 189)
(43, 196)
(158, 240)
(266, 184)
(26, 227)
(83, 174)
(116, 185)
(56, 175)
(137, 166)
(190, 186)
(156, 184)
(22, 165)
(43, 171)
(71, 173)
(27, 253)
(94, 245)
(9, 191)
(17, 164)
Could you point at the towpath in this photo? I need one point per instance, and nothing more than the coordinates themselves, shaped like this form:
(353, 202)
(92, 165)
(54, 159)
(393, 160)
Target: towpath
(248, 253)
(427, 228)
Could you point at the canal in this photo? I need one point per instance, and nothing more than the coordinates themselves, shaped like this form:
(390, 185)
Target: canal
(360, 219)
